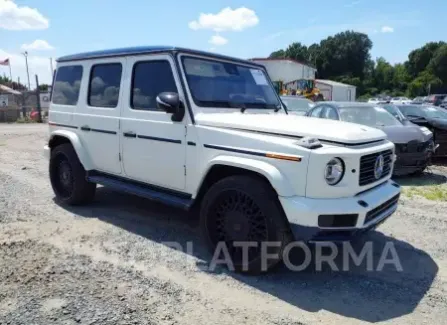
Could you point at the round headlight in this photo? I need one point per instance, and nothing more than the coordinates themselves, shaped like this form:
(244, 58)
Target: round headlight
(334, 171)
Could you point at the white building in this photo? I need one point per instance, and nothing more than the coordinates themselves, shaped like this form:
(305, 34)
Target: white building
(336, 91)
(286, 70)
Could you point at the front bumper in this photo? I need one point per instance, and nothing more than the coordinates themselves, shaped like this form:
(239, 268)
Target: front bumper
(408, 163)
(371, 207)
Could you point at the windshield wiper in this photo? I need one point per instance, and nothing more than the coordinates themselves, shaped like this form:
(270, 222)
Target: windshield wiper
(242, 106)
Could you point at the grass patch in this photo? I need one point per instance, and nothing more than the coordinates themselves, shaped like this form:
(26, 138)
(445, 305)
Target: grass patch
(25, 120)
(433, 192)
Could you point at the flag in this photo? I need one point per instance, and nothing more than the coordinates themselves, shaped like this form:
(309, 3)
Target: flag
(4, 62)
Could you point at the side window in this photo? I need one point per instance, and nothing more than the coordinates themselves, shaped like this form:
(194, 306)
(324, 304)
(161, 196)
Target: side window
(67, 85)
(104, 86)
(316, 112)
(330, 113)
(149, 79)
(393, 111)
(411, 111)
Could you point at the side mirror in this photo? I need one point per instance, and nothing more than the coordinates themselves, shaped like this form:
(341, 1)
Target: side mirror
(171, 103)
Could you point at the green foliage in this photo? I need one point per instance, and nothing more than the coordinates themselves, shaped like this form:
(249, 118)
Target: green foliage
(345, 57)
(25, 120)
(297, 51)
(420, 85)
(419, 59)
(11, 84)
(438, 64)
(278, 54)
(43, 87)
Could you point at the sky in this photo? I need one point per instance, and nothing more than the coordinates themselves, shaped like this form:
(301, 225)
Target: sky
(241, 28)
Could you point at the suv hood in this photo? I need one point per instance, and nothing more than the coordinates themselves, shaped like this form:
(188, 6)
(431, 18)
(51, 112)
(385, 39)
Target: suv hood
(293, 125)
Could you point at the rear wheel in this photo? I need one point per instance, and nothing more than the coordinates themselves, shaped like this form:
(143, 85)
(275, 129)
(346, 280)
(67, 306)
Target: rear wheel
(67, 177)
(243, 211)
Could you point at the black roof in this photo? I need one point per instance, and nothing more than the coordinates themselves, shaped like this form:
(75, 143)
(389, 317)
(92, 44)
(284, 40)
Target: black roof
(140, 50)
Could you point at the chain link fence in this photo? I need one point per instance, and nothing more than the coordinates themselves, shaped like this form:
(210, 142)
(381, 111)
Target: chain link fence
(23, 107)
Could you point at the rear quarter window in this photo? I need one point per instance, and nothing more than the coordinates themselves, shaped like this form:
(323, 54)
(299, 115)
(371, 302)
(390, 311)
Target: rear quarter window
(67, 85)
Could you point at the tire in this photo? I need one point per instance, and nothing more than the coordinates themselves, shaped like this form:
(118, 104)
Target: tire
(419, 172)
(68, 177)
(244, 209)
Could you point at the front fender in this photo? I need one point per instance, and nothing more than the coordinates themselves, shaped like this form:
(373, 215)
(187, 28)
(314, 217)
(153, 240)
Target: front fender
(77, 145)
(278, 181)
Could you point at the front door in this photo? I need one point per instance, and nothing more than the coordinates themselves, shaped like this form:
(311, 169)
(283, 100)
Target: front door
(152, 145)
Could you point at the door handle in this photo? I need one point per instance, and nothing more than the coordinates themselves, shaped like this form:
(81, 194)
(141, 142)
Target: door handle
(85, 128)
(130, 134)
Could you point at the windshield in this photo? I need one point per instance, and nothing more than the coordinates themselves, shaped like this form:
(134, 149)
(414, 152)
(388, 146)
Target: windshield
(423, 111)
(367, 115)
(297, 104)
(434, 112)
(228, 85)
(394, 110)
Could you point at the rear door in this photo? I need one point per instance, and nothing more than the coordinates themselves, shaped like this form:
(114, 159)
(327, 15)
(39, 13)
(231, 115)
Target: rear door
(98, 112)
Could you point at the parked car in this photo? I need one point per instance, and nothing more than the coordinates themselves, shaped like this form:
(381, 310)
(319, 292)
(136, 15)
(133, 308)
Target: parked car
(195, 130)
(432, 117)
(297, 105)
(444, 103)
(379, 100)
(435, 99)
(418, 101)
(413, 146)
(394, 110)
(400, 100)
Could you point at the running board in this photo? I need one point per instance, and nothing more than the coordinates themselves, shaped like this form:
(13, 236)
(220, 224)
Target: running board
(180, 200)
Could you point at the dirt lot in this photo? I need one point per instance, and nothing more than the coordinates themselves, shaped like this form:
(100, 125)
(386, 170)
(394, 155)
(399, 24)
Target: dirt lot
(108, 263)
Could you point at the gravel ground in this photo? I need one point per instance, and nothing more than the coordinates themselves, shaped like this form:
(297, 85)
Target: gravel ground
(109, 263)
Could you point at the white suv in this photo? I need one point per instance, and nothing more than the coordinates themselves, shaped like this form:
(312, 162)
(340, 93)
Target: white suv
(194, 129)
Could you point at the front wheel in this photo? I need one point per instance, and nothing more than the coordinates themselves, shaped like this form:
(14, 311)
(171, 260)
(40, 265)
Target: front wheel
(67, 176)
(241, 217)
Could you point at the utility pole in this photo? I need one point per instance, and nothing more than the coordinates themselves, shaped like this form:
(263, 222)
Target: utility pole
(39, 108)
(51, 66)
(27, 71)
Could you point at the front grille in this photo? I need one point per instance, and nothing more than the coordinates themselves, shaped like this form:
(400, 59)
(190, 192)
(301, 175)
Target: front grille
(367, 165)
(371, 215)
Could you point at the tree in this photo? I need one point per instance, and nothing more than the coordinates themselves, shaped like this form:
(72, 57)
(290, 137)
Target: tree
(43, 87)
(401, 78)
(297, 51)
(345, 57)
(438, 64)
(419, 59)
(383, 74)
(424, 82)
(345, 53)
(280, 54)
(11, 84)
